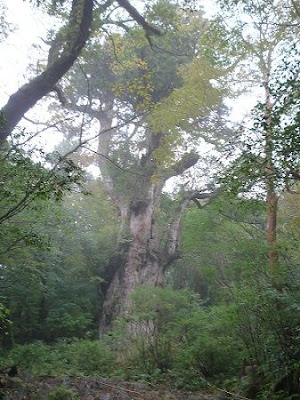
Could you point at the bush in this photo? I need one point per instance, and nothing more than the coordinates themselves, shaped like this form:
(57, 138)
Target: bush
(172, 337)
(36, 358)
(80, 357)
(89, 357)
(269, 325)
(68, 321)
(62, 393)
(155, 317)
(210, 347)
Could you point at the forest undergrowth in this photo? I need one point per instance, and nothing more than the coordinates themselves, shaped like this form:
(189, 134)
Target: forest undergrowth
(247, 350)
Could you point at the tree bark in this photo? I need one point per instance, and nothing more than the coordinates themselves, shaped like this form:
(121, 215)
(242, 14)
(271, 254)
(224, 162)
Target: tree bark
(272, 197)
(145, 258)
(67, 48)
(272, 201)
(141, 263)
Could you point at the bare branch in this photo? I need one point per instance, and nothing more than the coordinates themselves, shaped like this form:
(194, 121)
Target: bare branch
(32, 194)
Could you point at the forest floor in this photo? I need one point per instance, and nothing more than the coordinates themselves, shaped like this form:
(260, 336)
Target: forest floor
(28, 388)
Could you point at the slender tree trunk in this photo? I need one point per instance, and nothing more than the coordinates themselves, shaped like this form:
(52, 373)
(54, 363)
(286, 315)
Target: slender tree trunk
(272, 197)
(272, 201)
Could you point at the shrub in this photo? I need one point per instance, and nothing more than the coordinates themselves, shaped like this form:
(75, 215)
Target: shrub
(62, 393)
(80, 357)
(68, 321)
(88, 357)
(171, 335)
(36, 358)
(210, 346)
(269, 322)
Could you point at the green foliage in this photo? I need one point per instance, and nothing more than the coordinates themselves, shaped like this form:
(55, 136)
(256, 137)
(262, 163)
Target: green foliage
(79, 357)
(221, 246)
(62, 393)
(4, 320)
(136, 63)
(98, 357)
(155, 314)
(173, 115)
(268, 323)
(68, 320)
(223, 259)
(127, 74)
(271, 138)
(39, 352)
(52, 289)
(25, 183)
(213, 349)
(170, 337)
(52, 258)
(250, 168)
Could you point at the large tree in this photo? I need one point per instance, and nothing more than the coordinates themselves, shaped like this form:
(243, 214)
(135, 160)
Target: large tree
(151, 106)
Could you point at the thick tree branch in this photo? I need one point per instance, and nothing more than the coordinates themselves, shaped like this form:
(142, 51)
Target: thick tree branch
(150, 30)
(296, 7)
(295, 174)
(209, 193)
(186, 162)
(77, 29)
(65, 49)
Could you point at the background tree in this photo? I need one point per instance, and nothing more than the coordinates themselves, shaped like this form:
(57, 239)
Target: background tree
(266, 36)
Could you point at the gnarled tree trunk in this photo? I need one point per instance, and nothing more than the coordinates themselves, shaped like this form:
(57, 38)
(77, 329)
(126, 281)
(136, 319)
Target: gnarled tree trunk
(141, 263)
(143, 255)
